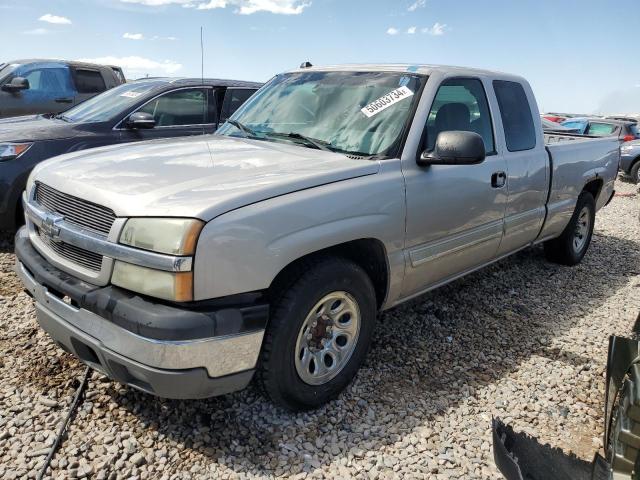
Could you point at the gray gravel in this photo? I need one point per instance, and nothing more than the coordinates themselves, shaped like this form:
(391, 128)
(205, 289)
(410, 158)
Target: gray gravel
(524, 340)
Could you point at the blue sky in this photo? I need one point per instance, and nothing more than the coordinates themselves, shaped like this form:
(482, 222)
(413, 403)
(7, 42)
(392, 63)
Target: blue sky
(579, 55)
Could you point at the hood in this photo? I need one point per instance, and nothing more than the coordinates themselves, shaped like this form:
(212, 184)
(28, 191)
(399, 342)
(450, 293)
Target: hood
(35, 127)
(200, 177)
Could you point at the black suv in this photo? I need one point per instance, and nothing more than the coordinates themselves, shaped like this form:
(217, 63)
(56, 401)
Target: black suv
(140, 110)
(51, 86)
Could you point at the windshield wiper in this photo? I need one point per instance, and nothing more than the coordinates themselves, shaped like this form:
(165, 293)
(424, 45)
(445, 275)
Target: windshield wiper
(60, 116)
(312, 142)
(248, 132)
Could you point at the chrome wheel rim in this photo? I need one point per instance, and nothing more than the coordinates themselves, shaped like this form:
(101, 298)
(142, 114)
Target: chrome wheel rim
(581, 232)
(327, 338)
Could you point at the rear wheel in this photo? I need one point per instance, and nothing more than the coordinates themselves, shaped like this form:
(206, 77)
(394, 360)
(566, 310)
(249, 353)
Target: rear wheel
(318, 335)
(571, 247)
(635, 172)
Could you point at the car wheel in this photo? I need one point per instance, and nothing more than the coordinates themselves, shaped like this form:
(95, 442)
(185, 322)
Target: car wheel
(634, 173)
(571, 247)
(624, 439)
(318, 335)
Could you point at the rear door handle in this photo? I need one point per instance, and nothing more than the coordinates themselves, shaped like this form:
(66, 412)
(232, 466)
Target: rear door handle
(498, 179)
(64, 100)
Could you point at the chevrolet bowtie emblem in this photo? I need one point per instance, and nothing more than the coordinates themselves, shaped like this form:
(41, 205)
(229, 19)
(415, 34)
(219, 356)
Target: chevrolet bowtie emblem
(50, 228)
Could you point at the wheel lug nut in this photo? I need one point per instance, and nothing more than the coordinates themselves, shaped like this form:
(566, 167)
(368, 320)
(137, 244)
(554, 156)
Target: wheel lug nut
(314, 324)
(309, 336)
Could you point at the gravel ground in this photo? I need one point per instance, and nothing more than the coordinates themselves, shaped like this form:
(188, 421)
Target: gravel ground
(524, 340)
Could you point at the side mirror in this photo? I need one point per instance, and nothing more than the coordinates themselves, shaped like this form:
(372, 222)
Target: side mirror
(17, 84)
(455, 148)
(141, 120)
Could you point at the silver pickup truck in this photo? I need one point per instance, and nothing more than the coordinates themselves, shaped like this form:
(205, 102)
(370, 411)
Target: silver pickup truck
(185, 267)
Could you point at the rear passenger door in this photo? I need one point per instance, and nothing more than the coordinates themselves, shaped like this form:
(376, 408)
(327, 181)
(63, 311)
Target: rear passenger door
(88, 82)
(178, 113)
(527, 163)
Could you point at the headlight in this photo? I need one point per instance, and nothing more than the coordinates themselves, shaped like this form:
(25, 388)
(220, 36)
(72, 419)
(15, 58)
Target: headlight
(175, 286)
(9, 151)
(172, 236)
(175, 236)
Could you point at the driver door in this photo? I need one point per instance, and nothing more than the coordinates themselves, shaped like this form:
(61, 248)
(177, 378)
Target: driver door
(178, 113)
(455, 213)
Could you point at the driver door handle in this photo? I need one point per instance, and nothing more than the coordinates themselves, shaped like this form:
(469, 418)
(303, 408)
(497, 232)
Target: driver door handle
(498, 179)
(64, 100)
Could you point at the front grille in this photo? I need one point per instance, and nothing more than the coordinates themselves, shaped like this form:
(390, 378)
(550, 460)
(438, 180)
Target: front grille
(75, 210)
(77, 255)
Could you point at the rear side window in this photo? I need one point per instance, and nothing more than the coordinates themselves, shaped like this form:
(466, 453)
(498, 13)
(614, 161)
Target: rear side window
(519, 130)
(601, 129)
(233, 99)
(581, 126)
(89, 81)
(460, 104)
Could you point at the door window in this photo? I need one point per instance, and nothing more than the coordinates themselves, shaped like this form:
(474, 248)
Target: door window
(89, 81)
(517, 121)
(182, 107)
(460, 104)
(46, 81)
(233, 99)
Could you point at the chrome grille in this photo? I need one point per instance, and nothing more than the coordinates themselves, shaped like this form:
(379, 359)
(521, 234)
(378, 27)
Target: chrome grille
(77, 255)
(75, 210)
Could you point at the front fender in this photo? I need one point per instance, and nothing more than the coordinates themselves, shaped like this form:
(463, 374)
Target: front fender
(245, 249)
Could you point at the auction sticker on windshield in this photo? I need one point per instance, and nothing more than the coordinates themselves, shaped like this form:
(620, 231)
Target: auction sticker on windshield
(386, 101)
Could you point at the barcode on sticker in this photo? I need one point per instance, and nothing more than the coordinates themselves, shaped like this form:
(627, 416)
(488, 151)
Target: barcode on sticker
(386, 101)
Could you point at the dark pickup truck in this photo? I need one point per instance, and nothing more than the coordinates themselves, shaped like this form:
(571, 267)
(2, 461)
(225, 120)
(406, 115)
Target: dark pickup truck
(51, 86)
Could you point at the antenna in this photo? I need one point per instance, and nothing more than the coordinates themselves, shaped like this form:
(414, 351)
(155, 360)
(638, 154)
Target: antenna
(207, 91)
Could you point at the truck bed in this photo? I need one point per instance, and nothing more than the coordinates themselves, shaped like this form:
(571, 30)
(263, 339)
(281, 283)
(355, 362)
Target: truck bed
(574, 161)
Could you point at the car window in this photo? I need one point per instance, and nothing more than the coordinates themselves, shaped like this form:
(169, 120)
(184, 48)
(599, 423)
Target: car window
(233, 99)
(55, 81)
(182, 107)
(89, 81)
(601, 129)
(460, 104)
(634, 130)
(517, 120)
(579, 126)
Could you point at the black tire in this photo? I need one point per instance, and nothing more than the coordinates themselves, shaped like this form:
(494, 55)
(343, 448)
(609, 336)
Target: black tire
(277, 375)
(563, 249)
(622, 452)
(634, 173)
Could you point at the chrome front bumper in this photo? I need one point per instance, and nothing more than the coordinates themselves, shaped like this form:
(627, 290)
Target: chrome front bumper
(138, 360)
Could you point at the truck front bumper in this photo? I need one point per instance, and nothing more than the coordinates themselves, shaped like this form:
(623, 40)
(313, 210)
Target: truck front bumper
(172, 351)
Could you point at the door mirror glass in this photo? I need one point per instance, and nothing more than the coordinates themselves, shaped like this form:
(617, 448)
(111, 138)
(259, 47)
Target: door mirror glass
(17, 84)
(455, 148)
(141, 120)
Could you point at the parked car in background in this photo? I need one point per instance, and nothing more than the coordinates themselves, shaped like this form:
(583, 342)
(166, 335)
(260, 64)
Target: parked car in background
(554, 127)
(630, 160)
(334, 193)
(554, 118)
(601, 127)
(624, 118)
(140, 110)
(51, 86)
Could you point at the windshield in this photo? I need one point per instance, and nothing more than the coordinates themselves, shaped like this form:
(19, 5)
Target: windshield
(359, 113)
(109, 104)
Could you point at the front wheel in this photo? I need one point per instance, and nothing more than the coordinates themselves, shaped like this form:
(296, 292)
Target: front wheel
(318, 335)
(571, 247)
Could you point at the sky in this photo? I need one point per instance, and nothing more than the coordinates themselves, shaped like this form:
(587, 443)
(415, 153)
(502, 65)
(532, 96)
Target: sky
(579, 55)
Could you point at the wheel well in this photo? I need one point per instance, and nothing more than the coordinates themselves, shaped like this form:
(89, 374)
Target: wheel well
(594, 187)
(368, 253)
(19, 216)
